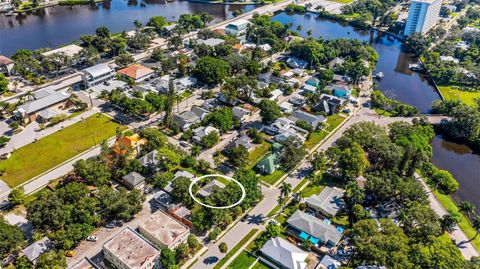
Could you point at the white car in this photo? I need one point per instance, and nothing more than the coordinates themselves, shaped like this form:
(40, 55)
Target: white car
(92, 238)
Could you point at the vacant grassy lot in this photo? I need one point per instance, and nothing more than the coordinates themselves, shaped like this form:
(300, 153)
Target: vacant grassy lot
(454, 93)
(36, 158)
(257, 154)
(244, 260)
(311, 189)
(333, 121)
(274, 177)
(315, 138)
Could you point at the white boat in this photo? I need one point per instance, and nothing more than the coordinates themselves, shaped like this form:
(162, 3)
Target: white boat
(378, 75)
(415, 67)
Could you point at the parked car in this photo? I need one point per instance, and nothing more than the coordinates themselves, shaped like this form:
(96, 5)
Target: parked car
(366, 105)
(184, 144)
(119, 223)
(111, 225)
(346, 110)
(70, 253)
(92, 238)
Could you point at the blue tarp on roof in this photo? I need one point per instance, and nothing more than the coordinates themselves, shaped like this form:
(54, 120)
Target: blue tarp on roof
(340, 229)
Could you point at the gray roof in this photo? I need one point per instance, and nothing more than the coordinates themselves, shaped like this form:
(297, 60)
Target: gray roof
(211, 41)
(165, 200)
(43, 93)
(208, 188)
(183, 173)
(43, 103)
(48, 114)
(133, 178)
(311, 119)
(328, 262)
(149, 158)
(243, 140)
(285, 253)
(314, 227)
(239, 112)
(329, 201)
(98, 70)
(36, 249)
(200, 112)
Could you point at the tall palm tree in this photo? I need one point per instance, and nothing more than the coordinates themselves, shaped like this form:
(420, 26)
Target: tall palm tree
(476, 226)
(467, 208)
(137, 24)
(448, 223)
(285, 189)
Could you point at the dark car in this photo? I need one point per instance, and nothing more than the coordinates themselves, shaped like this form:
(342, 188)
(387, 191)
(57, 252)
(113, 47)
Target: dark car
(210, 260)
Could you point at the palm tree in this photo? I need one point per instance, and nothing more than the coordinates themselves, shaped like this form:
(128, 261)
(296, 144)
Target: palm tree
(448, 223)
(299, 28)
(476, 226)
(309, 33)
(285, 189)
(137, 24)
(467, 208)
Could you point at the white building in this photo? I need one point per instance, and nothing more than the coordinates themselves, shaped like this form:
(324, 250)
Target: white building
(97, 74)
(164, 230)
(238, 27)
(422, 16)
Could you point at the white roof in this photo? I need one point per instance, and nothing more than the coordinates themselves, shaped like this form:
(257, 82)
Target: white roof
(70, 50)
(98, 70)
(211, 41)
(285, 253)
(43, 103)
(328, 262)
(239, 22)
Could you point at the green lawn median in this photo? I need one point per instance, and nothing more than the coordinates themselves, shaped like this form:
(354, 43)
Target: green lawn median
(35, 158)
(235, 249)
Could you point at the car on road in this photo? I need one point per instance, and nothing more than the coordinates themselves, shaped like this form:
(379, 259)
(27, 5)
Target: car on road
(119, 223)
(70, 253)
(210, 260)
(110, 225)
(346, 110)
(366, 105)
(184, 144)
(92, 238)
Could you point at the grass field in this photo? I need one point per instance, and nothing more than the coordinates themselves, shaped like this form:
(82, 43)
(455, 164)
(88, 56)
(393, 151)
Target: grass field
(342, 1)
(454, 93)
(464, 224)
(333, 121)
(235, 248)
(310, 190)
(36, 158)
(300, 185)
(244, 260)
(274, 177)
(257, 154)
(315, 138)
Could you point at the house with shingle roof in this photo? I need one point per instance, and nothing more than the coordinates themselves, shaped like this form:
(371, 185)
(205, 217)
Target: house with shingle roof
(33, 251)
(327, 203)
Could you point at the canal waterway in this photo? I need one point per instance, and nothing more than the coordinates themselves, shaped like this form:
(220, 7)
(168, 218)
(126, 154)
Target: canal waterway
(464, 165)
(399, 82)
(60, 25)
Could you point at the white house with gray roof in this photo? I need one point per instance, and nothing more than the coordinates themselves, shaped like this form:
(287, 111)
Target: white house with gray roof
(327, 203)
(281, 254)
(133, 180)
(97, 74)
(48, 99)
(36, 249)
(307, 227)
(189, 118)
(312, 120)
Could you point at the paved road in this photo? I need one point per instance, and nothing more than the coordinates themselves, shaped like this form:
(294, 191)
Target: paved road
(458, 236)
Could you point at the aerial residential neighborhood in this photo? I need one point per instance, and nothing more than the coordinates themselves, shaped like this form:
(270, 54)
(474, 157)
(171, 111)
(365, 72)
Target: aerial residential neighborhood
(307, 134)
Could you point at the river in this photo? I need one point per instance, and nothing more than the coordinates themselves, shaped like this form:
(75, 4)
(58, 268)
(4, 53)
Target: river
(60, 25)
(399, 82)
(464, 166)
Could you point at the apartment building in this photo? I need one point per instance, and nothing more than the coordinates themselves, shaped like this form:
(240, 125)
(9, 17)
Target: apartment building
(422, 16)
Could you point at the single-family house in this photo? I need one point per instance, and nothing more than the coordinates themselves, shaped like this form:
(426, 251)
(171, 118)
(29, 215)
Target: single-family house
(286, 107)
(129, 145)
(275, 94)
(294, 62)
(237, 27)
(288, 75)
(33, 251)
(169, 29)
(237, 48)
(313, 81)
(149, 161)
(307, 227)
(240, 113)
(328, 262)
(268, 164)
(336, 61)
(342, 91)
(312, 120)
(212, 42)
(72, 51)
(130, 250)
(136, 72)
(189, 118)
(283, 128)
(208, 188)
(97, 74)
(309, 88)
(329, 104)
(202, 131)
(29, 111)
(297, 101)
(449, 59)
(327, 203)
(462, 45)
(180, 173)
(163, 230)
(298, 72)
(185, 83)
(6, 65)
(133, 180)
(265, 47)
(165, 201)
(242, 140)
(279, 253)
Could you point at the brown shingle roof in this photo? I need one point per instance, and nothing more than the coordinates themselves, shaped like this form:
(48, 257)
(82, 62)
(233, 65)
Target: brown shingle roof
(5, 60)
(136, 71)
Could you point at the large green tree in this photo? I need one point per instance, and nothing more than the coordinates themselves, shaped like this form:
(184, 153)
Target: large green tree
(211, 70)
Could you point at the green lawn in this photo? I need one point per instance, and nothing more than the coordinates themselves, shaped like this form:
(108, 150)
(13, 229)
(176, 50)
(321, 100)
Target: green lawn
(310, 190)
(299, 185)
(36, 158)
(274, 211)
(333, 121)
(257, 154)
(464, 224)
(244, 260)
(342, 1)
(235, 249)
(273, 178)
(454, 93)
(382, 112)
(260, 265)
(314, 138)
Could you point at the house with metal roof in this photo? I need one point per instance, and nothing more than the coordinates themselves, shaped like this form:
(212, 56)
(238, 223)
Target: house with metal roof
(237, 27)
(312, 120)
(327, 203)
(30, 110)
(189, 118)
(279, 253)
(97, 74)
(268, 164)
(33, 251)
(206, 190)
(163, 230)
(133, 180)
(307, 227)
(185, 83)
(212, 42)
(130, 250)
(328, 262)
(240, 113)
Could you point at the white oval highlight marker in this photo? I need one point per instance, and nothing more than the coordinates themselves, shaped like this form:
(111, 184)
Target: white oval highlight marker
(222, 176)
